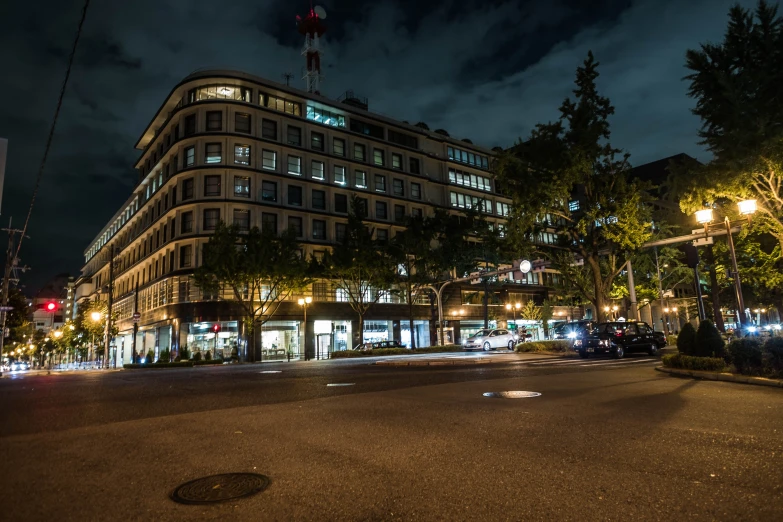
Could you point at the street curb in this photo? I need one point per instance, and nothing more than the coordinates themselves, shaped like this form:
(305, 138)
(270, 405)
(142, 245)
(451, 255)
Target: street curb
(432, 363)
(725, 377)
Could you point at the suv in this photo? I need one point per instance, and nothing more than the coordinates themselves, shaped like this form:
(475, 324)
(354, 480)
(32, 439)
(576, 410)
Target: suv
(618, 338)
(489, 339)
(572, 330)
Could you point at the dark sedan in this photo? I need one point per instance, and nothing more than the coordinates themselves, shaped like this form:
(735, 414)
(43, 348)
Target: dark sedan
(619, 338)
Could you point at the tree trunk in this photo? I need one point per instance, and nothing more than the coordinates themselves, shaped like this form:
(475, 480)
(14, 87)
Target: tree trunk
(250, 350)
(598, 285)
(361, 328)
(714, 291)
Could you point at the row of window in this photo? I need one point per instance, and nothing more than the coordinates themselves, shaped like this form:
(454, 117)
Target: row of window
(270, 222)
(470, 180)
(269, 130)
(470, 158)
(213, 154)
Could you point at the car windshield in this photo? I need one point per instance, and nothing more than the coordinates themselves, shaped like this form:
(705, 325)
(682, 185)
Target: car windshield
(482, 333)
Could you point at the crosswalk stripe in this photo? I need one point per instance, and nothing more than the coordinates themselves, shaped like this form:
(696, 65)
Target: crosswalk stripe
(620, 362)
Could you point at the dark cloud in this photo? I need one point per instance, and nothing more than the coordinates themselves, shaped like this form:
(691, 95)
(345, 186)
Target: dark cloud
(487, 70)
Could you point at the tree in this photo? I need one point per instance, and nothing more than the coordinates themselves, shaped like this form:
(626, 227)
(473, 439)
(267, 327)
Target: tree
(362, 268)
(547, 311)
(567, 179)
(429, 250)
(736, 85)
(686, 340)
(262, 269)
(708, 343)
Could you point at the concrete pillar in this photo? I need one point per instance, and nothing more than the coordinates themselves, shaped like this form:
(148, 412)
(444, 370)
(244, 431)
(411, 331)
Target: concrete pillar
(356, 335)
(309, 340)
(457, 333)
(396, 330)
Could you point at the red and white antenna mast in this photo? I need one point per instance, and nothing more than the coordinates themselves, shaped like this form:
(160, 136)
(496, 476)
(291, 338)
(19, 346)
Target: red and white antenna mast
(312, 27)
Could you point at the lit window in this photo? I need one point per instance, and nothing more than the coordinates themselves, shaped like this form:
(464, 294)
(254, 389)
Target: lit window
(214, 153)
(396, 161)
(325, 117)
(295, 165)
(573, 206)
(242, 154)
(378, 157)
(242, 186)
(359, 152)
(317, 170)
(360, 179)
(339, 174)
(269, 159)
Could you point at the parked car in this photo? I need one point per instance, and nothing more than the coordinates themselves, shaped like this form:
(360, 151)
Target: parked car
(572, 330)
(490, 339)
(619, 338)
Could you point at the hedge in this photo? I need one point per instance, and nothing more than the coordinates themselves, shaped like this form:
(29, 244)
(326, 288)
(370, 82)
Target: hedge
(689, 362)
(136, 366)
(207, 361)
(559, 346)
(347, 354)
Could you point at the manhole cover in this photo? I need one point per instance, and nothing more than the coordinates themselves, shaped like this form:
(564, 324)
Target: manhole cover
(271, 371)
(341, 384)
(512, 394)
(219, 488)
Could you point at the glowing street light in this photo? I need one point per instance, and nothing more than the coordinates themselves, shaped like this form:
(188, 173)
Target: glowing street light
(746, 208)
(303, 302)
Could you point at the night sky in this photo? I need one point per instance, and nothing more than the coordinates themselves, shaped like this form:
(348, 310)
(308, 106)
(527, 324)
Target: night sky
(484, 70)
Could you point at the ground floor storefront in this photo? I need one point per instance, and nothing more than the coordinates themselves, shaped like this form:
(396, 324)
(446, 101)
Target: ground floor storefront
(276, 340)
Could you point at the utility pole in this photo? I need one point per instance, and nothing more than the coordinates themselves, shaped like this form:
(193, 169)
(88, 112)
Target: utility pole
(107, 334)
(10, 264)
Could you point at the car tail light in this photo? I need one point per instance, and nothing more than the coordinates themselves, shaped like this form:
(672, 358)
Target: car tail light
(618, 333)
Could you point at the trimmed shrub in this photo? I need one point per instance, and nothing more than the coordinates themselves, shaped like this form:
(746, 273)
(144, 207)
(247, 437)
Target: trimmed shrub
(689, 362)
(177, 358)
(559, 346)
(208, 356)
(208, 361)
(150, 357)
(746, 355)
(671, 339)
(164, 357)
(136, 366)
(686, 340)
(773, 356)
(197, 356)
(709, 342)
(347, 354)
(184, 354)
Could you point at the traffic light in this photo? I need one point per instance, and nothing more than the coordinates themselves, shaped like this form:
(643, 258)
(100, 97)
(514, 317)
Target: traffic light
(51, 306)
(216, 328)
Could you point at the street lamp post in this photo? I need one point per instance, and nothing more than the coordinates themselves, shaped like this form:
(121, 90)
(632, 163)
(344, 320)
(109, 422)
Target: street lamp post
(96, 317)
(704, 217)
(303, 302)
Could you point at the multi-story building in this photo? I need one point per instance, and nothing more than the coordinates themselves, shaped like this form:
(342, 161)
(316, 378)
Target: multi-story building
(229, 146)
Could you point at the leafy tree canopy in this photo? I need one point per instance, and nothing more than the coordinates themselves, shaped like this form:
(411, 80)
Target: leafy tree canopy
(571, 160)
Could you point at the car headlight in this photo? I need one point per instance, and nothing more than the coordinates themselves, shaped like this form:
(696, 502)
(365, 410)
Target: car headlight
(577, 343)
(571, 335)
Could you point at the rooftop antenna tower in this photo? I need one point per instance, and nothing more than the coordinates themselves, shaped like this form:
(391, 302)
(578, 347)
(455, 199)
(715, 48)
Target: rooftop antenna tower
(312, 27)
(287, 76)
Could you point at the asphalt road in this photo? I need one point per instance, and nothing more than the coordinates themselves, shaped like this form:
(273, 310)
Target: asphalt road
(605, 440)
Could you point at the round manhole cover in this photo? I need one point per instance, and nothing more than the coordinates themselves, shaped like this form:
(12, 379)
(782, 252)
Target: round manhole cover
(512, 394)
(219, 488)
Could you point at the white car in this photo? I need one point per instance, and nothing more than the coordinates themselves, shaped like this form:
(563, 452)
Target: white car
(489, 339)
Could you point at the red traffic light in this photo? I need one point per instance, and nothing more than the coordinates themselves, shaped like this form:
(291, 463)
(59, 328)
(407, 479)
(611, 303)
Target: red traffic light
(216, 328)
(51, 307)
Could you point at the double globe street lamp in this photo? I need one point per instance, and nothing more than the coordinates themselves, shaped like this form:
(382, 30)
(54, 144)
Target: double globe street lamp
(704, 217)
